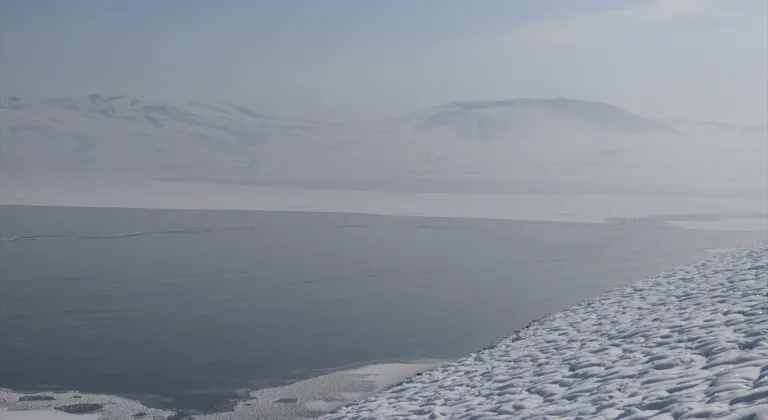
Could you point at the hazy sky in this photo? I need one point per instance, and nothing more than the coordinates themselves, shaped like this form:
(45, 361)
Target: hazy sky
(365, 60)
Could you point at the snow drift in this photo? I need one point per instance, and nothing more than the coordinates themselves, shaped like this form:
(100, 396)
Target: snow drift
(689, 343)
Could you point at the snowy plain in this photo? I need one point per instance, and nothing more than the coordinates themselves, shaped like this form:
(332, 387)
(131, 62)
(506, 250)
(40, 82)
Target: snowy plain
(688, 343)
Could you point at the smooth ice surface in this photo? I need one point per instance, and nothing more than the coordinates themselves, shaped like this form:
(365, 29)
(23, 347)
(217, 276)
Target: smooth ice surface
(747, 224)
(688, 343)
(588, 208)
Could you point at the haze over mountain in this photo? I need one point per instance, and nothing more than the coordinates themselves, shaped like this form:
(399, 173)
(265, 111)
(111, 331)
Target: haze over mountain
(494, 120)
(120, 133)
(455, 146)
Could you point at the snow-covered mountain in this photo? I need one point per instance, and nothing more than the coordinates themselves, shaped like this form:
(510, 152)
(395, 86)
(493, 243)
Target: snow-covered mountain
(99, 133)
(502, 120)
(480, 146)
(123, 133)
(230, 118)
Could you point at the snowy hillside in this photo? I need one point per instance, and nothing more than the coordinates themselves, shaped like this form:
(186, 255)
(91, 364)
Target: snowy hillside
(689, 343)
(500, 120)
(119, 133)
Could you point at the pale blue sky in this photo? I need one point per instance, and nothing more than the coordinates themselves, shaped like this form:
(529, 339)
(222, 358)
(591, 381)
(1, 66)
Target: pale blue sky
(367, 60)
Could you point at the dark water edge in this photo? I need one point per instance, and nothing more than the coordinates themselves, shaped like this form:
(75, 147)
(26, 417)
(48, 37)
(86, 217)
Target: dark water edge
(182, 308)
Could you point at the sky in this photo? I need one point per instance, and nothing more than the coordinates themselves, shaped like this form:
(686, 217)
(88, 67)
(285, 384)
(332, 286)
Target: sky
(356, 60)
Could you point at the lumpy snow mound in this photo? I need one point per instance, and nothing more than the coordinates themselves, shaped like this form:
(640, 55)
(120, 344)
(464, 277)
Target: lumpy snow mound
(689, 343)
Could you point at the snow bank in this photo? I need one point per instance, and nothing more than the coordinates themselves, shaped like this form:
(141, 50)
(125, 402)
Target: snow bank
(688, 343)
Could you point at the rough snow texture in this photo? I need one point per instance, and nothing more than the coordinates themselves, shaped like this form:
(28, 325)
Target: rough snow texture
(688, 343)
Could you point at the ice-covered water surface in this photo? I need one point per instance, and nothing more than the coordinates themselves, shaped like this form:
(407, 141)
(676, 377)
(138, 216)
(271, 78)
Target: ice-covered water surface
(688, 343)
(587, 207)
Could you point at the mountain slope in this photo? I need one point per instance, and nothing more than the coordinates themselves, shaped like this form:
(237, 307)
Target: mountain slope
(118, 131)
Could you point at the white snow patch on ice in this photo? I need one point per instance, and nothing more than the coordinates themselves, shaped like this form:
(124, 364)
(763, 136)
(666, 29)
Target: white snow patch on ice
(317, 396)
(309, 398)
(746, 224)
(688, 343)
(320, 405)
(43, 415)
(49, 406)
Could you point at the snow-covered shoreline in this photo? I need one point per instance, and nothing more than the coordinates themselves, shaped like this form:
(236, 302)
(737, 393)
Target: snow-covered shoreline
(688, 343)
(306, 398)
(691, 342)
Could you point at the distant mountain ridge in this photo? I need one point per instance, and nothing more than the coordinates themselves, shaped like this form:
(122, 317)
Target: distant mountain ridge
(190, 111)
(116, 131)
(104, 134)
(489, 120)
